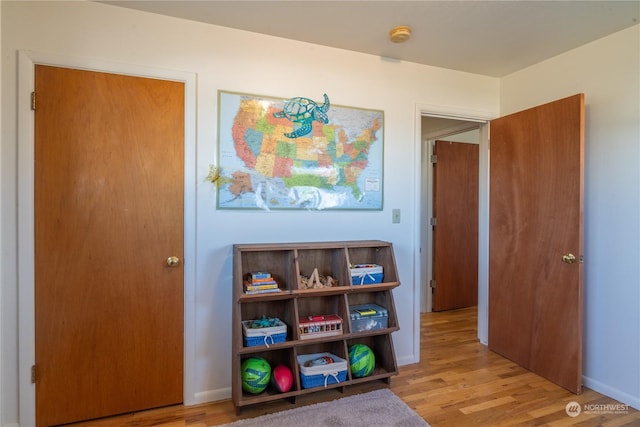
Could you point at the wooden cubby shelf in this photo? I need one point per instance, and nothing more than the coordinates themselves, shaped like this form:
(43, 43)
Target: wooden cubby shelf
(286, 263)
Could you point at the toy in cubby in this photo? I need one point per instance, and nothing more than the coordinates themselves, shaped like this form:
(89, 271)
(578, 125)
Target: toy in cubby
(361, 360)
(256, 374)
(282, 378)
(319, 326)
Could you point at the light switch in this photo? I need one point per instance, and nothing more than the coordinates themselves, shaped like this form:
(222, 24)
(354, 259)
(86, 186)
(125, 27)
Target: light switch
(395, 216)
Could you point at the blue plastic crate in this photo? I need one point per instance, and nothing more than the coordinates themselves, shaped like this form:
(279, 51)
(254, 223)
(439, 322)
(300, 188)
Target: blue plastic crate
(367, 317)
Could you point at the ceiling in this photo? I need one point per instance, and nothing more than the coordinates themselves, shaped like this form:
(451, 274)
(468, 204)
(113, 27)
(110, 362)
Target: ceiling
(492, 38)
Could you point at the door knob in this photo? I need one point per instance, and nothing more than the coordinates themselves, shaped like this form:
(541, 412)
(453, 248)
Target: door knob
(173, 261)
(569, 258)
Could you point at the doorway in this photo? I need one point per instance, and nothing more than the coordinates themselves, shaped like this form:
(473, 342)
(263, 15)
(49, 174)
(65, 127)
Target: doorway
(435, 129)
(437, 124)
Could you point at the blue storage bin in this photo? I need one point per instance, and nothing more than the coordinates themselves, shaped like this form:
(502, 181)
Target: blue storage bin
(321, 375)
(366, 274)
(264, 336)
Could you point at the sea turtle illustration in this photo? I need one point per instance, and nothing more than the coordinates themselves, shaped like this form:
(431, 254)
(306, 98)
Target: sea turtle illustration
(303, 111)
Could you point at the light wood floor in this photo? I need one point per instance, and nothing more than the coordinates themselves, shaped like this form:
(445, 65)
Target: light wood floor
(457, 383)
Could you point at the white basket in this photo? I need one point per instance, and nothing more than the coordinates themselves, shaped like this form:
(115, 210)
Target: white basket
(316, 376)
(366, 275)
(264, 336)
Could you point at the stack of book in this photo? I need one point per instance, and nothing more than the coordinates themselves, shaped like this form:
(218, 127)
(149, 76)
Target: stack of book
(259, 282)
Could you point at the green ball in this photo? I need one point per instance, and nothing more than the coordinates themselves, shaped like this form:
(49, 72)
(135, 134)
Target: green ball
(362, 360)
(256, 374)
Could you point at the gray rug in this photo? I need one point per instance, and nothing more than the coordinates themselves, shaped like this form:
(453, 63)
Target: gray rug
(380, 408)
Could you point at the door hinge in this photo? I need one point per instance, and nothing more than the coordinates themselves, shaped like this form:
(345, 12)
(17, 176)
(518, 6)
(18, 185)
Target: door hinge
(432, 283)
(434, 158)
(33, 101)
(33, 374)
(432, 221)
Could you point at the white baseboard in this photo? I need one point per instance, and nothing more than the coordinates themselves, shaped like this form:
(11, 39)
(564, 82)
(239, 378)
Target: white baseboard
(407, 360)
(208, 396)
(614, 393)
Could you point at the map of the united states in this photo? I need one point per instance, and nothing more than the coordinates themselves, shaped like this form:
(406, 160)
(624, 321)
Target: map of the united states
(320, 170)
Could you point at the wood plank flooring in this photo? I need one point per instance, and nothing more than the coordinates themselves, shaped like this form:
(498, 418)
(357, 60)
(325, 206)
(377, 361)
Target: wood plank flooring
(457, 383)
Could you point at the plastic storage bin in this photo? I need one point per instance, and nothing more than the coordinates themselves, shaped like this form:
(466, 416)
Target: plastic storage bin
(264, 336)
(366, 317)
(366, 274)
(324, 374)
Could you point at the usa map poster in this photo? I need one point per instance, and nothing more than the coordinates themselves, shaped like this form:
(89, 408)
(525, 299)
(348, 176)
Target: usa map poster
(298, 153)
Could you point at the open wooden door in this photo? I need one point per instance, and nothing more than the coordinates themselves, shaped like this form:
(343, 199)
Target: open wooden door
(455, 233)
(109, 202)
(535, 239)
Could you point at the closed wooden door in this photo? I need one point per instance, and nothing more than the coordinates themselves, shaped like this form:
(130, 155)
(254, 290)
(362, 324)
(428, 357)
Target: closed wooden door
(535, 271)
(109, 160)
(455, 233)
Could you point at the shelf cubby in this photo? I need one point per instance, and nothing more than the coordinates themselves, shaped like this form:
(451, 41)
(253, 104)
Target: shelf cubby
(382, 347)
(381, 255)
(381, 298)
(328, 262)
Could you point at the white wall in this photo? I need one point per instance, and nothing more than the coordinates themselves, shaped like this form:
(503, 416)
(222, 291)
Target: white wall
(607, 71)
(236, 61)
(2, 402)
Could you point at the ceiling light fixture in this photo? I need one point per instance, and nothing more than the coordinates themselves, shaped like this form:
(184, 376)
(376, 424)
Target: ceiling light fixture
(400, 34)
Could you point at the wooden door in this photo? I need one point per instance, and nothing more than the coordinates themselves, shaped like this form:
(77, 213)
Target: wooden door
(535, 290)
(109, 160)
(455, 235)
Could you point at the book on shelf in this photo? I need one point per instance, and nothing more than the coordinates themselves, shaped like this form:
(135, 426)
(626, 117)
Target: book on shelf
(259, 287)
(259, 278)
(259, 283)
(256, 275)
(262, 281)
(262, 291)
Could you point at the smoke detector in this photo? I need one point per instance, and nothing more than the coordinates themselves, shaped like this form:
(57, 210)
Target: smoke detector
(400, 34)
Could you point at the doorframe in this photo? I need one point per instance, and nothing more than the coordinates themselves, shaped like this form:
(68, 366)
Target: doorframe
(27, 60)
(423, 262)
